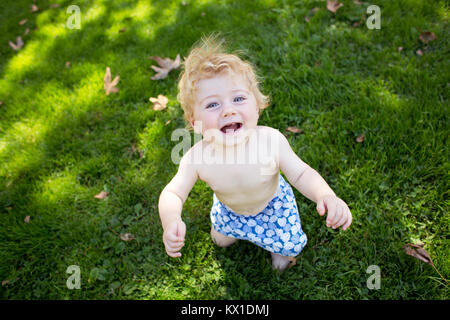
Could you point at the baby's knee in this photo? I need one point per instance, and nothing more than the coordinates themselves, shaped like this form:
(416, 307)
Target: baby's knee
(221, 240)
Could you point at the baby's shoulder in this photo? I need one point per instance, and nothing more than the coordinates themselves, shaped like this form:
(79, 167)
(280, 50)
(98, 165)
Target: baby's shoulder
(268, 131)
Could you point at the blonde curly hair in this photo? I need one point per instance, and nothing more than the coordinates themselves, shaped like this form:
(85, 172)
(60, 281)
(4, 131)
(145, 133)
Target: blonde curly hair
(206, 60)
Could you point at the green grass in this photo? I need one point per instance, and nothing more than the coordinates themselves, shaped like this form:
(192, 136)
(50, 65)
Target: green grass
(62, 141)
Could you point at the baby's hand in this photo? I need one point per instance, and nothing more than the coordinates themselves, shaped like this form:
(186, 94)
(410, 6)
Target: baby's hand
(173, 238)
(338, 212)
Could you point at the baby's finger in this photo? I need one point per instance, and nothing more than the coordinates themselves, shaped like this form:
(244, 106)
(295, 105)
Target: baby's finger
(173, 254)
(177, 246)
(321, 207)
(172, 237)
(331, 213)
(349, 221)
(173, 245)
(342, 220)
(337, 217)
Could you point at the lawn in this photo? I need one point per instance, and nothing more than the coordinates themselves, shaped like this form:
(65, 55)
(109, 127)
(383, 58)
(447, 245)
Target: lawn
(63, 141)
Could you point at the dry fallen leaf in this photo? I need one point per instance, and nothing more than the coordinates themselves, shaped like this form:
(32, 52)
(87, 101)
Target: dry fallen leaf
(55, 5)
(27, 219)
(427, 36)
(127, 236)
(5, 282)
(123, 30)
(357, 2)
(27, 31)
(159, 103)
(360, 138)
(110, 87)
(417, 251)
(101, 195)
(18, 45)
(294, 130)
(23, 21)
(307, 19)
(333, 5)
(165, 66)
(67, 64)
(34, 8)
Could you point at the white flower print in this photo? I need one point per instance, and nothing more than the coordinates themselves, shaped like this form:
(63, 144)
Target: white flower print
(259, 229)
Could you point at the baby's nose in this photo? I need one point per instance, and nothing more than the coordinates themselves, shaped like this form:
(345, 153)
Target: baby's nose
(228, 111)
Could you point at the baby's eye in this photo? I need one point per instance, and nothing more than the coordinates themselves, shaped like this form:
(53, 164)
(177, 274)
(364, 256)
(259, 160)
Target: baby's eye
(239, 99)
(211, 105)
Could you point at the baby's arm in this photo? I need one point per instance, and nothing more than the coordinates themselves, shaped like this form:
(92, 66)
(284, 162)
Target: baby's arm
(309, 183)
(171, 203)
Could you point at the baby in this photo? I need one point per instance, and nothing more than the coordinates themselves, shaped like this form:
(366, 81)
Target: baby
(241, 162)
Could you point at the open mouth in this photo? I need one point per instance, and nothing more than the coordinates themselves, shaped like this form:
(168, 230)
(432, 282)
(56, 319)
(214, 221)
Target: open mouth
(231, 127)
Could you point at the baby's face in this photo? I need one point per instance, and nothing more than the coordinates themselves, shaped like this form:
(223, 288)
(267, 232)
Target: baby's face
(226, 107)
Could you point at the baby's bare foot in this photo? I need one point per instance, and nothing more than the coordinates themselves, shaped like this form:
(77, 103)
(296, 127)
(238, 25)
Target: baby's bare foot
(281, 263)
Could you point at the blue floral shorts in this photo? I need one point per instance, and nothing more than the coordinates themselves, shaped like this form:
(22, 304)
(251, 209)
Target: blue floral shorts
(277, 228)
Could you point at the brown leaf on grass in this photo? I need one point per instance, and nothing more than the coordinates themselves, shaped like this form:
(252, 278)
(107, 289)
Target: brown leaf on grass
(427, 36)
(333, 5)
(126, 236)
(357, 2)
(306, 19)
(110, 87)
(5, 282)
(159, 103)
(34, 8)
(67, 64)
(27, 219)
(294, 130)
(418, 252)
(123, 30)
(101, 195)
(1, 102)
(360, 138)
(23, 21)
(165, 66)
(315, 10)
(18, 45)
(54, 5)
(27, 31)
(133, 149)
